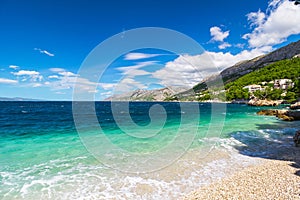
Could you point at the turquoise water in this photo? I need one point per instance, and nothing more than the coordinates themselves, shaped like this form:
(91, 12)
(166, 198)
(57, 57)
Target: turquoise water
(42, 156)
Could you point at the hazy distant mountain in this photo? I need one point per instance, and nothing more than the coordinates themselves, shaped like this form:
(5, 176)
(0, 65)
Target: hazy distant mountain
(18, 99)
(146, 95)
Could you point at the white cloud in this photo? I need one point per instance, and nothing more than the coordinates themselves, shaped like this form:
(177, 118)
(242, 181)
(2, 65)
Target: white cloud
(53, 77)
(14, 67)
(66, 73)
(44, 52)
(25, 72)
(8, 81)
(62, 72)
(185, 71)
(138, 56)
(189, 70)
(37, 85)
(217, 34)
(128, 84)
(67, 80)
(33, 75)
(256, 18)
(239, 45)
(57, 69)
(275, 27)
(224, 60)
(107, 86)
(135, 70)
(106, 94)
(224, 45)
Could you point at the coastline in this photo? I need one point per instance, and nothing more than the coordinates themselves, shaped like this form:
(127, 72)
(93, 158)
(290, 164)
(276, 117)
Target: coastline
(277, 177)
(270, 180)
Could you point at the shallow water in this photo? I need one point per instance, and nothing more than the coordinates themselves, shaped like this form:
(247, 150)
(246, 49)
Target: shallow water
(160, 155)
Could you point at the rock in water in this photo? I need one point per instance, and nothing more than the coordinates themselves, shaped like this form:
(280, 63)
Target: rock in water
(285, 115)
(295, 106)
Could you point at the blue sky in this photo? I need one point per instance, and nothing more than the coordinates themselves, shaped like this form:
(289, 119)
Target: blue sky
(44, 43)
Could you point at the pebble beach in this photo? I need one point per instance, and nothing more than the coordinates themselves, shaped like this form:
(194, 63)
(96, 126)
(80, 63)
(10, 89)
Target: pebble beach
(277, 178)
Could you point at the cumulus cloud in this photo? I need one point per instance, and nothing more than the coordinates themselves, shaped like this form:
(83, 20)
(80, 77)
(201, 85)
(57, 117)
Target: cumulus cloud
(44, 52)
(14, 67)
(138, 56)
(8, 81)
(185, 71)
(189, 70)
(32, 75)
(275, 26)
(217, 34)
(223, 60)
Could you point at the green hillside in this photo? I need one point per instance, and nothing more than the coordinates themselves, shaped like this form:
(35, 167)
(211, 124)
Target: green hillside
(285, 69)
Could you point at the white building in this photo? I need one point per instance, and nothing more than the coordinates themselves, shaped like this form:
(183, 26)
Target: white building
(253, 88)
(283, 84)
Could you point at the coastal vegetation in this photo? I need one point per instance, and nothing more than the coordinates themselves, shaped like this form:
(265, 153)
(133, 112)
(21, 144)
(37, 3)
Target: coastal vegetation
(264, 79)
(285, 69)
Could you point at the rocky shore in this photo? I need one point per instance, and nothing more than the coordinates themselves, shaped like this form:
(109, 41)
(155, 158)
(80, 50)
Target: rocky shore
(286, 115)
(264, 102)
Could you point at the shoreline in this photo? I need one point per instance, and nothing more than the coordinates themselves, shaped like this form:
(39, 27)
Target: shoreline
(277, 177)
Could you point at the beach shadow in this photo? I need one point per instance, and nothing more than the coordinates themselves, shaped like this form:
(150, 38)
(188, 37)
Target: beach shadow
(274, 142)
(295, 165)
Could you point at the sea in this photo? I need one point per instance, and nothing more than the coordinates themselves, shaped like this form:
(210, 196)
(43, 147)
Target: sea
(129, 150)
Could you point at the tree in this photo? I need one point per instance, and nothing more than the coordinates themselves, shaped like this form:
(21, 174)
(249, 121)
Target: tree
(290, 96)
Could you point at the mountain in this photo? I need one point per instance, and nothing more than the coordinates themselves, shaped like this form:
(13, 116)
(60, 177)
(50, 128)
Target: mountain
(146, 95)
(287, 86)
(17, 99)
(242, 68)
(228, 75)
(245, 67)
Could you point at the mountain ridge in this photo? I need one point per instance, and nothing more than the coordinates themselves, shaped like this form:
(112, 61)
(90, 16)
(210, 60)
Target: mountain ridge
(244, 67)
